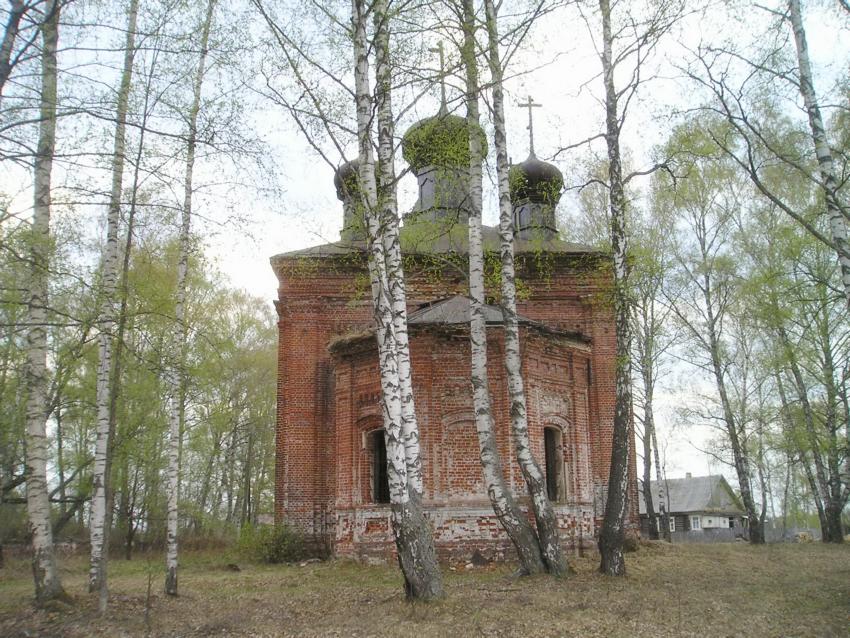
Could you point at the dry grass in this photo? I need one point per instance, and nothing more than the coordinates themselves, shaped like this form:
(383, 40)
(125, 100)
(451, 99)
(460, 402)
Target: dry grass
(684, 590)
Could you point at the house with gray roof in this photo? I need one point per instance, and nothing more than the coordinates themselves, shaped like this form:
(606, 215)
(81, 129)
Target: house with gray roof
(700, 507)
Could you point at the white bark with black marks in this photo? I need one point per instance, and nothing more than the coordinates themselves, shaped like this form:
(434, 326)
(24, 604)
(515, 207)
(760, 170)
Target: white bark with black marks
(175, 373)
(544, 514)
(412, 532)
(511, 517)
(45, 573)
(107, 322)
(612, 534)
(836, 213)
(389, 233)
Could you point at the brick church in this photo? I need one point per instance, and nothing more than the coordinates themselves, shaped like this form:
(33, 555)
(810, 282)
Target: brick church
(331, 480)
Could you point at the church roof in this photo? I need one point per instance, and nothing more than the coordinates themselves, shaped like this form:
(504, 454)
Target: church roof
(455, 310)
(420, 239)
(695, 494)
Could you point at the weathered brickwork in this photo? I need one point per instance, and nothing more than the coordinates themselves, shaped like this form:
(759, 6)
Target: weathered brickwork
(328, 401)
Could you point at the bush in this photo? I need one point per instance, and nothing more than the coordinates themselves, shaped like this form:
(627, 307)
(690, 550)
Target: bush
(272, 544)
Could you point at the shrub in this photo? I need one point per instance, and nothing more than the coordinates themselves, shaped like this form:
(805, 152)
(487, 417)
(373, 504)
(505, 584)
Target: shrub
(272, 544)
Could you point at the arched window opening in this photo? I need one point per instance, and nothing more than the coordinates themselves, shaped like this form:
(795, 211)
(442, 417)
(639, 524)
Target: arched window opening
(556, 485)
(380, 478)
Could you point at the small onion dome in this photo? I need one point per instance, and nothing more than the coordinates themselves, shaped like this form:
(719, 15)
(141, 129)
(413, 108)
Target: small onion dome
(442, 140)
(535, 180)
(345, 179)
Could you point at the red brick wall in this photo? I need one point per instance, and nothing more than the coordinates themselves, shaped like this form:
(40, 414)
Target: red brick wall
(325, 406)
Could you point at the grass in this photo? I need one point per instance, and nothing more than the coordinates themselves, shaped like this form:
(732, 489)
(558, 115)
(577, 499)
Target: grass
(682, 590)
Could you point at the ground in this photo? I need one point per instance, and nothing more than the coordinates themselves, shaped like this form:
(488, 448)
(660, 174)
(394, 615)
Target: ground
(683, 590)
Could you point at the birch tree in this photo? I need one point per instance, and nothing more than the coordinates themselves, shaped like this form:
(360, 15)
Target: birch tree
(389, 233)
(742, 84)
(107, 321)
(653, 337)
(836, 210)
(17, 10)
(45, 572)
(175, 373)
(803, 323)
(412, 532)
(625, 43)
(544, 514)
(705, 302)
(612, 534)
(513, 520)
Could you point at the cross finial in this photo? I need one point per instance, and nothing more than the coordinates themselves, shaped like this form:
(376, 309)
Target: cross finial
(439, 49)
(530, 104)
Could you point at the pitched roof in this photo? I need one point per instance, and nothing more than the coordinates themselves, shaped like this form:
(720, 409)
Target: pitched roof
(696, 494)
(455, 310)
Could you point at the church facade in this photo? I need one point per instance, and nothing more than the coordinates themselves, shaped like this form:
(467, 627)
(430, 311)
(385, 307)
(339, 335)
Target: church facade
(331, 458)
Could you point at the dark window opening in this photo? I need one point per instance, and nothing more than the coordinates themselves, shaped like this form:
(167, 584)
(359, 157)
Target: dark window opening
(554, 464)
(380, 479)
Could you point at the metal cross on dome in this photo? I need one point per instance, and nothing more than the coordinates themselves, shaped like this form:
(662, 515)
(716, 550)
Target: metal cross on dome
(530, 104)
(439, 49)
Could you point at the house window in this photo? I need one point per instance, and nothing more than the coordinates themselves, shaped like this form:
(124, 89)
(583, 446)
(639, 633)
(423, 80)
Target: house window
(672, 523)
(731, 522)
(380, 479)
(555, 475)
(695, 522)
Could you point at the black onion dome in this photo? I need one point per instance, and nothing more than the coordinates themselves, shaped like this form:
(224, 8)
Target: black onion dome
(536, 180)
(345, 179)
(442, 140)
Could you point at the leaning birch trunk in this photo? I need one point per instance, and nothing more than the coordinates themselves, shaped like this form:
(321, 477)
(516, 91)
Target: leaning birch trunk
(388, 206)
(16, 10)
(829, 183)
(740, 454)
(45, 573)
(175, 363)
(544, 514)
(512, 518)
(412, 532)
(100, 474)
(612, 534)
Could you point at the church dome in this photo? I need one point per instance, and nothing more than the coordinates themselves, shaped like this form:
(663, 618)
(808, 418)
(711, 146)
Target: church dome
(345, 179)
(535, 180)
(441, 140)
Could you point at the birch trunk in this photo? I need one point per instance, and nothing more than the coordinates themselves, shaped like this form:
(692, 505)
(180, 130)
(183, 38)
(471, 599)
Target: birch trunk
(648, 425)
(513, 520)
(662, 503)
(647, 477)
(544, 514)
(837, 496)
(388, 213)
(740, 455)
(17, 9)
(828, 509)
(411, 529)
(612, 534)
(175, 371)
(828, 182)
(100, 476)
(45, 572)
